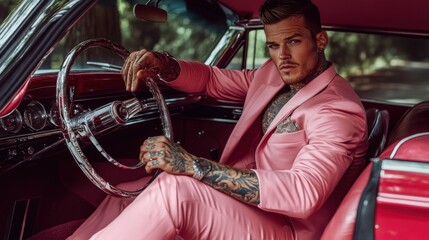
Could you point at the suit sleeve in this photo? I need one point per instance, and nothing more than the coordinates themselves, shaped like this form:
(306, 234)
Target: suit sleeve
(224, 84)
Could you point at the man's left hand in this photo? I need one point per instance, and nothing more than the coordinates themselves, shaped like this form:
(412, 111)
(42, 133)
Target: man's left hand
(161, 153)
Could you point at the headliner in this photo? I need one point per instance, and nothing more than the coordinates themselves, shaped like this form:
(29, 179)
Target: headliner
(390, 15)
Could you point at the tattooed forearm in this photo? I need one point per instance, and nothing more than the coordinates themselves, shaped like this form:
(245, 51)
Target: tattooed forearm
(160, 152)
(242, 184)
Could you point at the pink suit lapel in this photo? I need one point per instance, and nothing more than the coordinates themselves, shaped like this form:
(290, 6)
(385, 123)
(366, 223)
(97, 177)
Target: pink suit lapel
(310, 90)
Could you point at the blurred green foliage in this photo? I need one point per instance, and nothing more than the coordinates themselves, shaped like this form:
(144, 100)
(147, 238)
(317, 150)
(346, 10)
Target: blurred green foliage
(191, 32)
(6, 7)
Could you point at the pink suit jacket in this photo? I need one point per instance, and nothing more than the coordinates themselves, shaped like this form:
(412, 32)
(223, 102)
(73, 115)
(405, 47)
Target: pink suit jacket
(304, 174)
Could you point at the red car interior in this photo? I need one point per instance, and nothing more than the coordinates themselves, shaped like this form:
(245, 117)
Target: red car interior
(408, 140)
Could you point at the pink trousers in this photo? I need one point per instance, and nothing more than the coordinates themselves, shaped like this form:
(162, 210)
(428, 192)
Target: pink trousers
(175, 207)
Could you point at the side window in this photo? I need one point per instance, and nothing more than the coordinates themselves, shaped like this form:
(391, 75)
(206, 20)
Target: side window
(385, 67)
(237, 60)
(257, 51)
(382, 67)
(190, 32)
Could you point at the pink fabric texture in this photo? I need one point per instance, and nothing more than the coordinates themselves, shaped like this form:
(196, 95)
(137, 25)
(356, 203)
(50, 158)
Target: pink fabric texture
(179, 205)
(303, 175)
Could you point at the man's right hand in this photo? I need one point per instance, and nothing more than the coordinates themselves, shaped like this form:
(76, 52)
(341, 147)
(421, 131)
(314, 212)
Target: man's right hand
(144, 63)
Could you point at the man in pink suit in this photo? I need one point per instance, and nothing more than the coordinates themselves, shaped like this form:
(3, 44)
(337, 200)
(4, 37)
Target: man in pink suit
(298, 146)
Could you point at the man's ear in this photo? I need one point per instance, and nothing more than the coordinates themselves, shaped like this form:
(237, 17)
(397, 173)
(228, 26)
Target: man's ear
(322, 39)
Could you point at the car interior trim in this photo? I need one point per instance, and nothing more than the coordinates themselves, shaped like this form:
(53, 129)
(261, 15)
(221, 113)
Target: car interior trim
(365, 219)
(225, 45)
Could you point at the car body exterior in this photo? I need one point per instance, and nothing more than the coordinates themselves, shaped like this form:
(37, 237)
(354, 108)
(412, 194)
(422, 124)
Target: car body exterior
(379, 46)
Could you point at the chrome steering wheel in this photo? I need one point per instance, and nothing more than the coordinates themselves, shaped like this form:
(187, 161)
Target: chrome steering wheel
(86, 125)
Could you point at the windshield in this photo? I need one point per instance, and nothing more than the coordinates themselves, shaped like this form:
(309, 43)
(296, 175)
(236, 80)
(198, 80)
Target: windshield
(190, 33)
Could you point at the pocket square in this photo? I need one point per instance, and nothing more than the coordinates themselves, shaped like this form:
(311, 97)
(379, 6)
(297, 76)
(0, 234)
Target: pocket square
(288, 125)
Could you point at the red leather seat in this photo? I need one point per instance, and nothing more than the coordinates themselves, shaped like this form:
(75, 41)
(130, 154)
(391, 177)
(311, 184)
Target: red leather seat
(409, 140)
(415, 120)
(342, 224)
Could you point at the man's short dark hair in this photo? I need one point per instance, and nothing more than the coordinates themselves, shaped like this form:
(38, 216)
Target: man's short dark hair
(273, 11)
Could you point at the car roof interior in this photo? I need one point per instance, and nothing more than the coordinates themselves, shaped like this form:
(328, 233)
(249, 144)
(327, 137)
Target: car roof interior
(364, 14)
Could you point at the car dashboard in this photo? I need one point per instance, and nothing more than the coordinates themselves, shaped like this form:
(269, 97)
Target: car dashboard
(33, 129)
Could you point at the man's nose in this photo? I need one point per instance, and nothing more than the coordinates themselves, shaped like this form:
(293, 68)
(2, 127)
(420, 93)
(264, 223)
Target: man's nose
(284, 52)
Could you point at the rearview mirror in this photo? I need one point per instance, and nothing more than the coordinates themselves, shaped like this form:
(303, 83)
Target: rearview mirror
(149, 13)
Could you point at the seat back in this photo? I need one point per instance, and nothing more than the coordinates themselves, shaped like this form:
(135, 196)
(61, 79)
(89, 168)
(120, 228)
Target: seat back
(378, 124)
(414, 147)
(415, 120)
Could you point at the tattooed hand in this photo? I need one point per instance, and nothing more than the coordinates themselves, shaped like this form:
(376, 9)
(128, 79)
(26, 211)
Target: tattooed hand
(144, 63)
(161, 153)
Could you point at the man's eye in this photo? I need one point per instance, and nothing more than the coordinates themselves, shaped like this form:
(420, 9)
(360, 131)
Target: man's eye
(294, 41)
(271, 46)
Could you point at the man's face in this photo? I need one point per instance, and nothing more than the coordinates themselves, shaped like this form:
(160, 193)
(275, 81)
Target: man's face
(293, 49)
